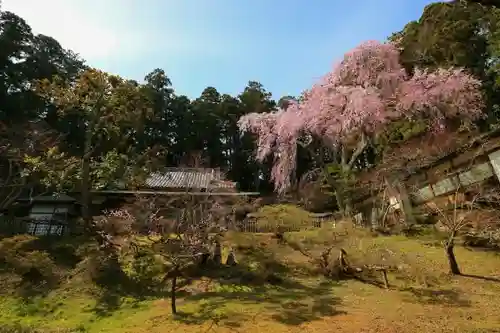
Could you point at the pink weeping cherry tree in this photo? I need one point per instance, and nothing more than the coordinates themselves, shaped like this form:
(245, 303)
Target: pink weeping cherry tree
(365, 92)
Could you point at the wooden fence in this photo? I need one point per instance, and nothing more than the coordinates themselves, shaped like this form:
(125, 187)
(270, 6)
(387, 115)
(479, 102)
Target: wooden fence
(10, 226)
(252, 224)
(13, 226)
(255, 227)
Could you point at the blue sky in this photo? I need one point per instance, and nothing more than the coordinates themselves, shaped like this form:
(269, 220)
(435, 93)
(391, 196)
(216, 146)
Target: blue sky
(285, 45)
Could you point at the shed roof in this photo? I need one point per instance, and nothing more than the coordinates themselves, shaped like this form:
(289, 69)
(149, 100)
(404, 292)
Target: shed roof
(57, 197)
(188, 179)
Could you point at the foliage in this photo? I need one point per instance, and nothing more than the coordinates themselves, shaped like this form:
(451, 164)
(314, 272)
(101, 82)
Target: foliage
(56, 170)
(446, 35)
(315, 197)
(111, 110)
(144, 268)
(25, 57)
(283, 216)
(171, 126)
(366, 91)
(28, 329)
(180, 234)
(455, 33)
(71, 127)
(307, 299)
(33, 267)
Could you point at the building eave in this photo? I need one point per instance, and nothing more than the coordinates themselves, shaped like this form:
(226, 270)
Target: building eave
(179, 193)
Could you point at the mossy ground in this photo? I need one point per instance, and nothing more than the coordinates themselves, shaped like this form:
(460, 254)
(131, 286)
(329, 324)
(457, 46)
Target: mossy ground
(274, 290)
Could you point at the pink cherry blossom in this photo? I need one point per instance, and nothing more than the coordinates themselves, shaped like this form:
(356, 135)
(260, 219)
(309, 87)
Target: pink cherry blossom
(362, 94)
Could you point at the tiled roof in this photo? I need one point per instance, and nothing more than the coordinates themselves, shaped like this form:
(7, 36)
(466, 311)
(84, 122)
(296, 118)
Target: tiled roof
(188, 179)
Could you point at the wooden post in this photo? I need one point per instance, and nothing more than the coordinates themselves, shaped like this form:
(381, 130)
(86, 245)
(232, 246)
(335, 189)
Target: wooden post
(384, 277)
(406, 205)
(344, 265)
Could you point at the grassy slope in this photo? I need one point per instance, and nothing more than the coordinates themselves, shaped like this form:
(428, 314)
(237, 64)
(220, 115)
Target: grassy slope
(422, 299)
(462, 304)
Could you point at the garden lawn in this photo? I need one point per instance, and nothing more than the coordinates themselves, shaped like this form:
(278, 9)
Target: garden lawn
(289, 298)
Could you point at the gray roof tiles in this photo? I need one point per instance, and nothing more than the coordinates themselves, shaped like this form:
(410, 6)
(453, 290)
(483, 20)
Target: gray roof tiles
(188, 179)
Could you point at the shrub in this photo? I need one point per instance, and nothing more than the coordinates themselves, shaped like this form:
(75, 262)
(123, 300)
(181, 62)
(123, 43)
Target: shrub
(281, 218)
(483, 239)
(104, 269)
(18, 328)
(144, 268)
(35, 267)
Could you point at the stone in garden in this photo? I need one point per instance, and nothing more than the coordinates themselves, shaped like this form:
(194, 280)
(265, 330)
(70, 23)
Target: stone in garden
(217, 255)
(231, 259)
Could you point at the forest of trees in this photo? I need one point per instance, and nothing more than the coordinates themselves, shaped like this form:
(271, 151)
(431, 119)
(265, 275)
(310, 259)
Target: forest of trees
(63, 122)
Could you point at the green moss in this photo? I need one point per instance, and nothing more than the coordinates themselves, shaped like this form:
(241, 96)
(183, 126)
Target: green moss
(274, 284)
(288, 216)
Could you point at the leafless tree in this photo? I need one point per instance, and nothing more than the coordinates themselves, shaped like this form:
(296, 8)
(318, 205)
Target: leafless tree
(474, 208)
(182, 229)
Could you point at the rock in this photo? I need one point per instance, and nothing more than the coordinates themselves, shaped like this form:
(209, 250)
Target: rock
(217, 255)
(204, 259)
(231, 259)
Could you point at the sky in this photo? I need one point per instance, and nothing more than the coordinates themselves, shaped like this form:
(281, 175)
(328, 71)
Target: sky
(284, 44)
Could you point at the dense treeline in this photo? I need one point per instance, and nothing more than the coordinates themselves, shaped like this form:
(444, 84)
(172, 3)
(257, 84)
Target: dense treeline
(177, 125)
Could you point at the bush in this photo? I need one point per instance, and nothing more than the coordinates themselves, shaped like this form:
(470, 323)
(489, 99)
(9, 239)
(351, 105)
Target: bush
(144, 268)
(482, 239)
(17, 328)
(281, 218)
(103, 269)
(128, 271)
(35, 267)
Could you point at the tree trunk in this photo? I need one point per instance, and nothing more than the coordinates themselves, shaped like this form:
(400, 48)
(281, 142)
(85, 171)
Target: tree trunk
(85, 201)
(450, 254)
(85, 185)
(348, 207)
(347, 164)
(343, 200)
(406, 205)
(173, 290)
(345, 189)
(384, 278)
(340, 201)
(344, 265)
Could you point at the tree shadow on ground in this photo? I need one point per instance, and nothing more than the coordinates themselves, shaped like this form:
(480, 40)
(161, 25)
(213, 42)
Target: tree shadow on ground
(259, 267)
(289, 306)
(210, 312)
(272, 285)
(369, 277)
(115, 287)
(438, 297)
(273, 290)
(479, 277)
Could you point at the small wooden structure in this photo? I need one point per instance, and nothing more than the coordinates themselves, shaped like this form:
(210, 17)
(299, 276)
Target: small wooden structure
(53, 214)
(49, 214)
(180, 181)
(475, 162)
(320, 219)
(251, 223)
